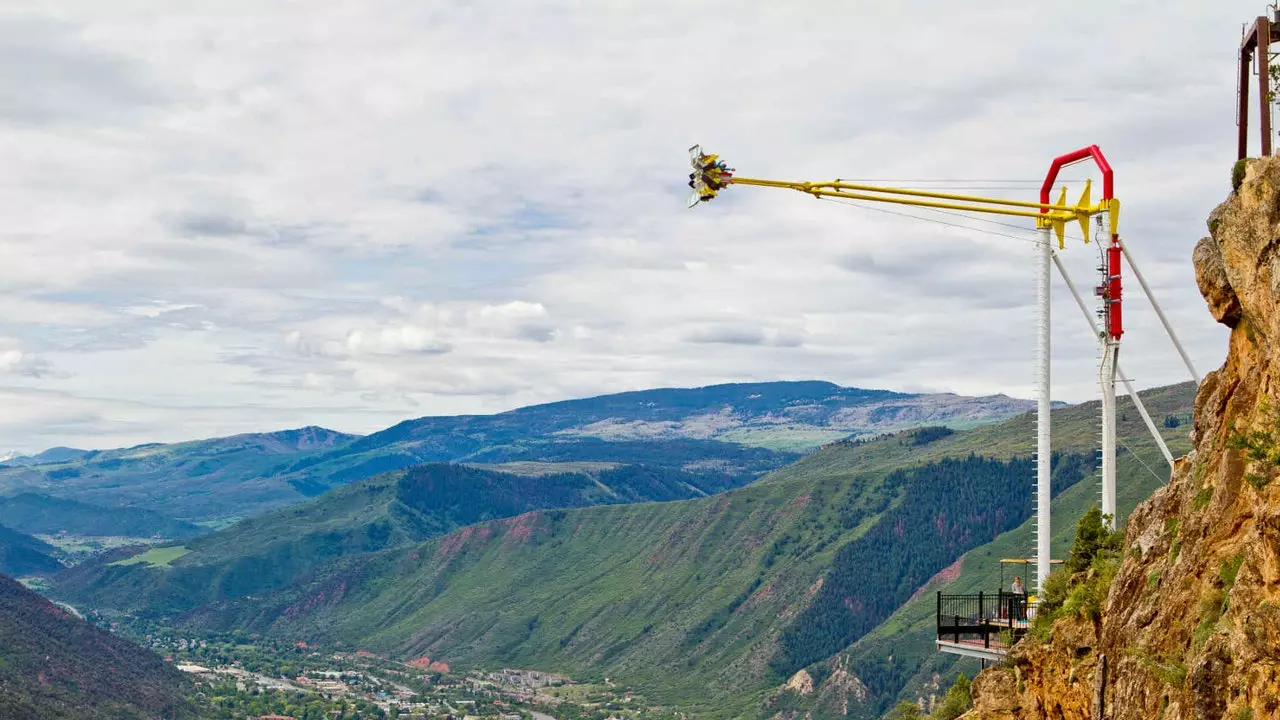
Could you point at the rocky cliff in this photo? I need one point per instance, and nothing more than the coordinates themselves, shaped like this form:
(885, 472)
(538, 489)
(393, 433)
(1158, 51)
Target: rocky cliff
(1190, 627)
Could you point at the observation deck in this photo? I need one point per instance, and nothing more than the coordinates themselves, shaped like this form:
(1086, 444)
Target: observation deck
(983, 625)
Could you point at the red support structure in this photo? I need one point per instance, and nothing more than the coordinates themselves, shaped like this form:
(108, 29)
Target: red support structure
(1115, 325)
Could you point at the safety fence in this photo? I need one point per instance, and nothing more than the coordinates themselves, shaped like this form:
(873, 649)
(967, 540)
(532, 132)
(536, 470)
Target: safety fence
(996, 619)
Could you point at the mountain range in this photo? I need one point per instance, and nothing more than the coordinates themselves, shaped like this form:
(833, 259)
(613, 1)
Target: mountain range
(722, 436)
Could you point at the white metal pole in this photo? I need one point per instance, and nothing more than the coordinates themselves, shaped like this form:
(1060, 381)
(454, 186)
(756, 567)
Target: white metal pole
(1044, 451)
(1124, 247)
(1107, 378)
(1133, 395)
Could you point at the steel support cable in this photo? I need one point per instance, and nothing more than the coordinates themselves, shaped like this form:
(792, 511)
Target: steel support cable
(859, 205)
(1142, 462)
(1133, 395)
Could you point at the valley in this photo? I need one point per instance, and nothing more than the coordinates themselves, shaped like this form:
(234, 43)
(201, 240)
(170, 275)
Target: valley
(707, 600)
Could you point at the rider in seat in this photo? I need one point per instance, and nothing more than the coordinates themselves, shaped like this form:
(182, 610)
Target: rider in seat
(710, 174)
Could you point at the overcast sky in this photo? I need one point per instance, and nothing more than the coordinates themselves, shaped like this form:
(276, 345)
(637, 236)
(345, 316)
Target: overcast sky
(243, 216)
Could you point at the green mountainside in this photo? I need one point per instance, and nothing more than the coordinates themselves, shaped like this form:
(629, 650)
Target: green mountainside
(40, 514)
(682, 597)
(390, 510)
(708, 603)
(22, 555)
(727, 434)
(56, 667)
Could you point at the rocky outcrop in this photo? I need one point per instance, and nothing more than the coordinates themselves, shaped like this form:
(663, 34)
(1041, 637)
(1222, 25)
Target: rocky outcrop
(801, 683)
(1191, 624)
(834, 696)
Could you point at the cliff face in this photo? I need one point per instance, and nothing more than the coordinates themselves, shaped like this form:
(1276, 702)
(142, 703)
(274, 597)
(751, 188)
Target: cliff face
(1191, 623)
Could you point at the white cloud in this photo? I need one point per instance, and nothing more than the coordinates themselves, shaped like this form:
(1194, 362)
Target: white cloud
(325, 213)
(17, 362)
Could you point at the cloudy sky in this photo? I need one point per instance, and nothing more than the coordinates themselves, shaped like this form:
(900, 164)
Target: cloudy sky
(240, 216)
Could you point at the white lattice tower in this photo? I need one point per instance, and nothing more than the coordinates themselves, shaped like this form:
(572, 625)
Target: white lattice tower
(1044, 451)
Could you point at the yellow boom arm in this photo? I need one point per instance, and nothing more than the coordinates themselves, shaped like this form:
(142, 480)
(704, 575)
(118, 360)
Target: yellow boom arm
(710, 176)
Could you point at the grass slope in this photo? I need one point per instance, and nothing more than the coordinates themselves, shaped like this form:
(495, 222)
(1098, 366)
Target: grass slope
(391, 510)
(682, 596)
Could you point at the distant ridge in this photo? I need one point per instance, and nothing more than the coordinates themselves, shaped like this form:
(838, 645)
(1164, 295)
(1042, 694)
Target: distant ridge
(739, 430)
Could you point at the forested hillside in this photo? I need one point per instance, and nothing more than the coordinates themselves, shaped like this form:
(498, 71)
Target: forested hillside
(22, 555)
(40, 514)
(946, 509)
(897, 659)
(56, 667)
(671, 426)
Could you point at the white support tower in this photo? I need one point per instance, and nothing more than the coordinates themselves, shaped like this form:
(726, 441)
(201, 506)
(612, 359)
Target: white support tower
(1107, 378)
(1044, 451)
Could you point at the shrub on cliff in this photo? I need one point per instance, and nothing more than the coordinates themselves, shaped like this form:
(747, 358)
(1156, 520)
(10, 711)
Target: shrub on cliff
(1080, 587)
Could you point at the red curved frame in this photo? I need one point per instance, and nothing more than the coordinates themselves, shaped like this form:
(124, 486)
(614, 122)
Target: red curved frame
(1108, 179)
(1116, 324)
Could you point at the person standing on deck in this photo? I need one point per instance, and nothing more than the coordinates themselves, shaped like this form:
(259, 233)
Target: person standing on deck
(1019, 600)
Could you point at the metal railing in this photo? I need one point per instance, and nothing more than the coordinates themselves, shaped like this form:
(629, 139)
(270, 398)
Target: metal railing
(984, 616)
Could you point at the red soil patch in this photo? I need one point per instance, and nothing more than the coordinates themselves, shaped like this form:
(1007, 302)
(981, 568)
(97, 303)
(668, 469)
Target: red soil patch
(815, 587)
(520, 528)
(453, 543)
(942, 577)
(321, 598)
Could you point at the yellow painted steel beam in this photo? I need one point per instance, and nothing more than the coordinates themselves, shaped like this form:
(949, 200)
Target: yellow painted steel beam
(710, 176)
(838, 185)
(1052, 215)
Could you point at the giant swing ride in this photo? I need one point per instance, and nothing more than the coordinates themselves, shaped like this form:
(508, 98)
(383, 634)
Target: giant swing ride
(711, 175)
